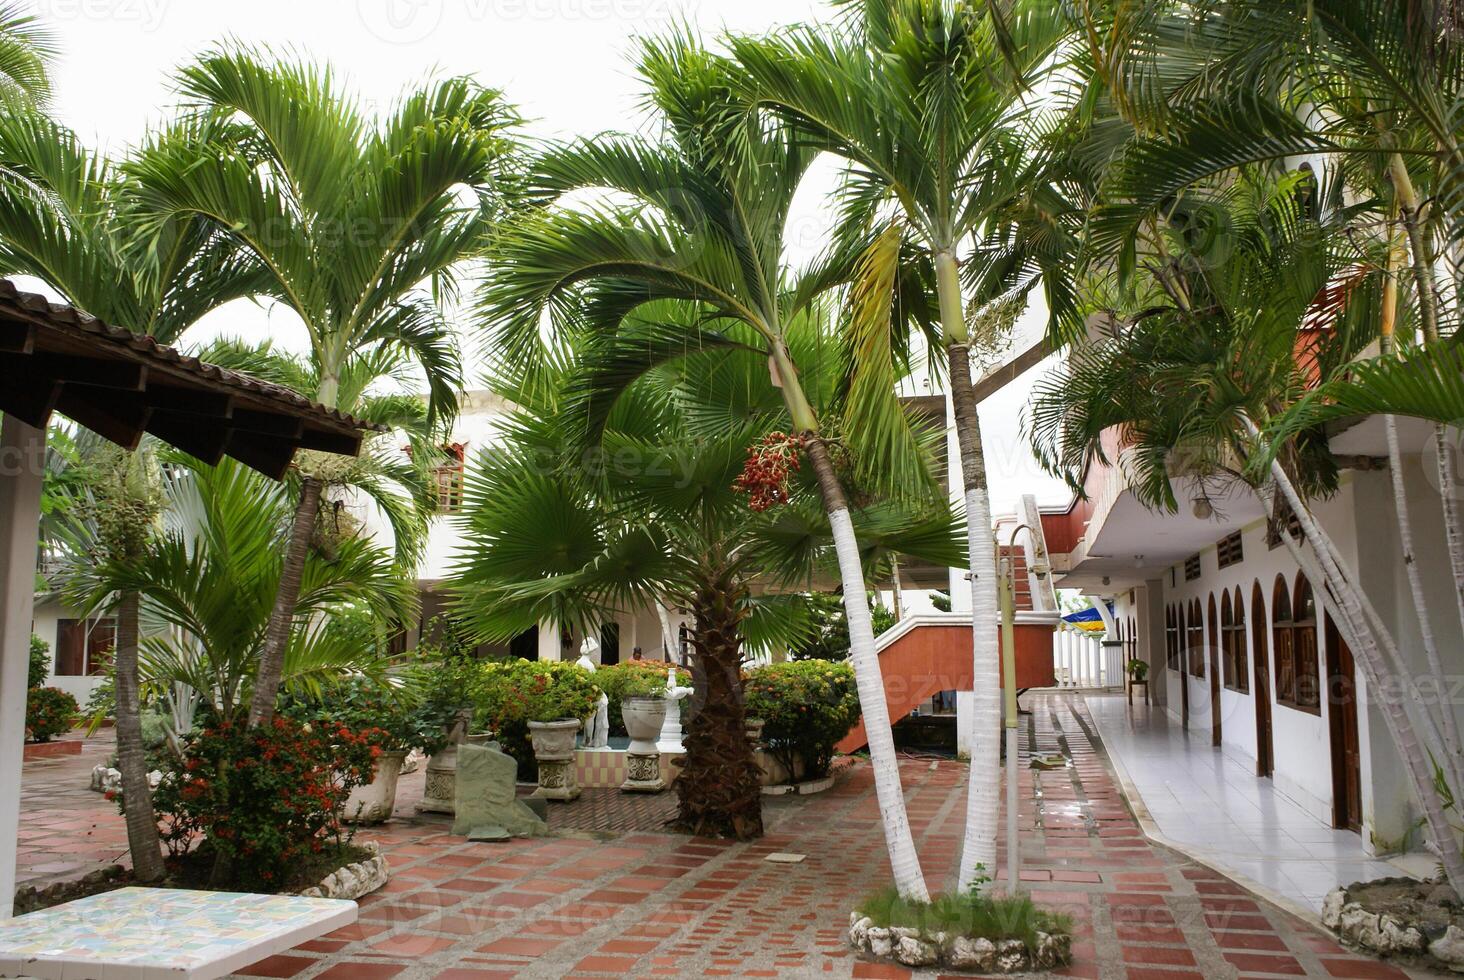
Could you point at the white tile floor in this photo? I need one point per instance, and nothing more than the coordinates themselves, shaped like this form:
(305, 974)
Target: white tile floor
(1224, 814)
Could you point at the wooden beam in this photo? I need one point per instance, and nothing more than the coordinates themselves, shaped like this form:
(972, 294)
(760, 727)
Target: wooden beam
(206, 441)
(270, 456)
(97, 371)
(268, 423)
(17, 338)
(118, 416)
(30, 399)
(999, 377)
(331, 442)
(190, 401)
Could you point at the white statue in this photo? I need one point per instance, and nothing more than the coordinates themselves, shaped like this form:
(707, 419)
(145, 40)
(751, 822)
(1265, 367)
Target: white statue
(671, 733)
(597, 727)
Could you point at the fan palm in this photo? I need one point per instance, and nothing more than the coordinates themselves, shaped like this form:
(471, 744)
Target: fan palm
(1189, 384)
(27, 50)
(704, 225)
(924, 100)
(351, 219)
(661, 522)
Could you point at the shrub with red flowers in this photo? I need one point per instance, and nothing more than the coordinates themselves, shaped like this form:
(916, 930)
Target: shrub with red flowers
(264, 799)
(511, 694)
(49, 711)
(807, 705)
(770, 461)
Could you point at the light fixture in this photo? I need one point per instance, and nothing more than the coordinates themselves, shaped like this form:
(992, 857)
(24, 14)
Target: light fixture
(1202, 508)
(1107, 580)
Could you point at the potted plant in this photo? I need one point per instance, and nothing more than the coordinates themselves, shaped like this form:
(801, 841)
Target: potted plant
(551, 700)
(806, 706)
(1138, 670)
(643, 708)
(447, 685)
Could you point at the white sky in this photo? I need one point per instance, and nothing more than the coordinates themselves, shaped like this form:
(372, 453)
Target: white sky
(563, 62)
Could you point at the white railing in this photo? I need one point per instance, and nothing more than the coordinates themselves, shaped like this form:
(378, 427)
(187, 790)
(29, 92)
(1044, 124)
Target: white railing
(1082, 660)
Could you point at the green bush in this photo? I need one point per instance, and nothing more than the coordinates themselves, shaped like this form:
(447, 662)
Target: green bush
(632, 679)
(265, 799)
(512, 694)
(807, 705)
(39, 667)
(361, 704)
(49, 711)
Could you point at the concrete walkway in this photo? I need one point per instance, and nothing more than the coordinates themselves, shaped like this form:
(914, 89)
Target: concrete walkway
(1213, 807)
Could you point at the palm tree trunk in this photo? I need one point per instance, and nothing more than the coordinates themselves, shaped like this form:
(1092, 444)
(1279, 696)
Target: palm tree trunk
(282, 617)
(1378, 674)
(904, 862)
(983, 787)
(142, 823)
(719, 791)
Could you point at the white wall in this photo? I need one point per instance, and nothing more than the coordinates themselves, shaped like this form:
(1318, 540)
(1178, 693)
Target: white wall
(43, 624)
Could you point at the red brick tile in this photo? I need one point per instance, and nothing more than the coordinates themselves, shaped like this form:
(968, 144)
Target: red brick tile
(412, 944)
(278, 966)
(606, 964)
(1166, 955)
(520, 946)
(360, 971)
(1361, 969)
(1266, 963)
(1250, 940)
(880, 971)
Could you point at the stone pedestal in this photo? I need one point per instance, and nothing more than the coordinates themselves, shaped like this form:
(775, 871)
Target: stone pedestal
(554, 752)
(441, 781)
(643, 773)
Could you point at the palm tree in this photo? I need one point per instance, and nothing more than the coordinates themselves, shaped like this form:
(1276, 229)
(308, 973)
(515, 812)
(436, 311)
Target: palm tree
(924, 100)
(351, 220)
(1191, 380)
(705, 226)
(662, 522)
(64, 218)
(27, 50)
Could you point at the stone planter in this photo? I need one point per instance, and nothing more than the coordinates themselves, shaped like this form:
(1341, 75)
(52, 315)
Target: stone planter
(554, 752)
(441, 782)
(354, 880)
(644, 718)
(914, 948)
(374, 802)
(754, 728)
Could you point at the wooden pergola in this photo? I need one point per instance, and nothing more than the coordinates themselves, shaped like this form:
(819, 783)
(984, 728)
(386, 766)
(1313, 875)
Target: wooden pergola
(54, 358)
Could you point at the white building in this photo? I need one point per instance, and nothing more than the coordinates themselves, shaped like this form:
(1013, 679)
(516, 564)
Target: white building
(1244, 651)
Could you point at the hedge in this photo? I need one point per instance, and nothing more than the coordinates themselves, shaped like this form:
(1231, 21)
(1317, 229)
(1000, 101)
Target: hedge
(807, 707)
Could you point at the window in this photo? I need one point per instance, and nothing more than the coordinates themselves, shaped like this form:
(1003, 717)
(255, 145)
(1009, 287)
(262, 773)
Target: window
(1229, 550)
(1196, 639)
(1283, 517)
(1294, 635)
(1232, 643)
(449, 477)
(84, 646)
(1192, 568)
(1171, 639)
(1308, 678)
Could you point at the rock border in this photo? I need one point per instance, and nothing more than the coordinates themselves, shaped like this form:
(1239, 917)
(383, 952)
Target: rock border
(912, 948)
(30, 898)
(806, 788)
(1384, 934)
(354, 880)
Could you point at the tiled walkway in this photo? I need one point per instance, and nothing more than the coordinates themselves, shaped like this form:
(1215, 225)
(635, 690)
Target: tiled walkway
(659, 905)
(1208, 803)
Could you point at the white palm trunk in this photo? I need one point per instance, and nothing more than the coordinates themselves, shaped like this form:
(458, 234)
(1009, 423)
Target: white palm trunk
(668, 635)
(1380, 679)
(1437, 707)
(983, 790)
(904, 862)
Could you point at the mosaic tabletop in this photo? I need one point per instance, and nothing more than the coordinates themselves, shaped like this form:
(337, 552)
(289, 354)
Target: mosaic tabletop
(143, 933)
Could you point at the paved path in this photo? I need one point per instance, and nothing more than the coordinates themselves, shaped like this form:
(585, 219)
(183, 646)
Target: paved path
(1214, 807)
(649, 904)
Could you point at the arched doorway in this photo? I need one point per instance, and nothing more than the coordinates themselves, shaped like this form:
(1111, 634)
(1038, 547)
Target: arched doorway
(1342, 723)
(1183, 672)
(1260, 656)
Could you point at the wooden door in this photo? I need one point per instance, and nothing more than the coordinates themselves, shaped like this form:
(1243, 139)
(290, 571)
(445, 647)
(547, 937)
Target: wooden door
(1260, 656)
(1214, 675)
(1342, 721)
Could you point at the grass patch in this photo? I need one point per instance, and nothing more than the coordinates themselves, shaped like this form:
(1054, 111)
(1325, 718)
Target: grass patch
(975, 916)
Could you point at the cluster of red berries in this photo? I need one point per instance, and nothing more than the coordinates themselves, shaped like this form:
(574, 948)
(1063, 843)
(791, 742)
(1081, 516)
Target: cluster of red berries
(765, 473)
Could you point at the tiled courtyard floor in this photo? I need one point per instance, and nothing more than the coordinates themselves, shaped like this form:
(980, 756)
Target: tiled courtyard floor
(651, 904)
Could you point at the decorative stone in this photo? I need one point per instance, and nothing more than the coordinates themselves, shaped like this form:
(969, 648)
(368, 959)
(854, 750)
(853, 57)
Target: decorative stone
(441, 781)
(1332, 907)
(914, 952)
(1011, 955)
(1449, 949)
(972, 954)
(1052, 950)
(486, 794)
(879, 941)
(105, 779)
(642, 773)
(354, 880)
(1442, 894)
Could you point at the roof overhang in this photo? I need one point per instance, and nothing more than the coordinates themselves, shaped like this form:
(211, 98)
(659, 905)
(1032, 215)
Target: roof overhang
(54, 358)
